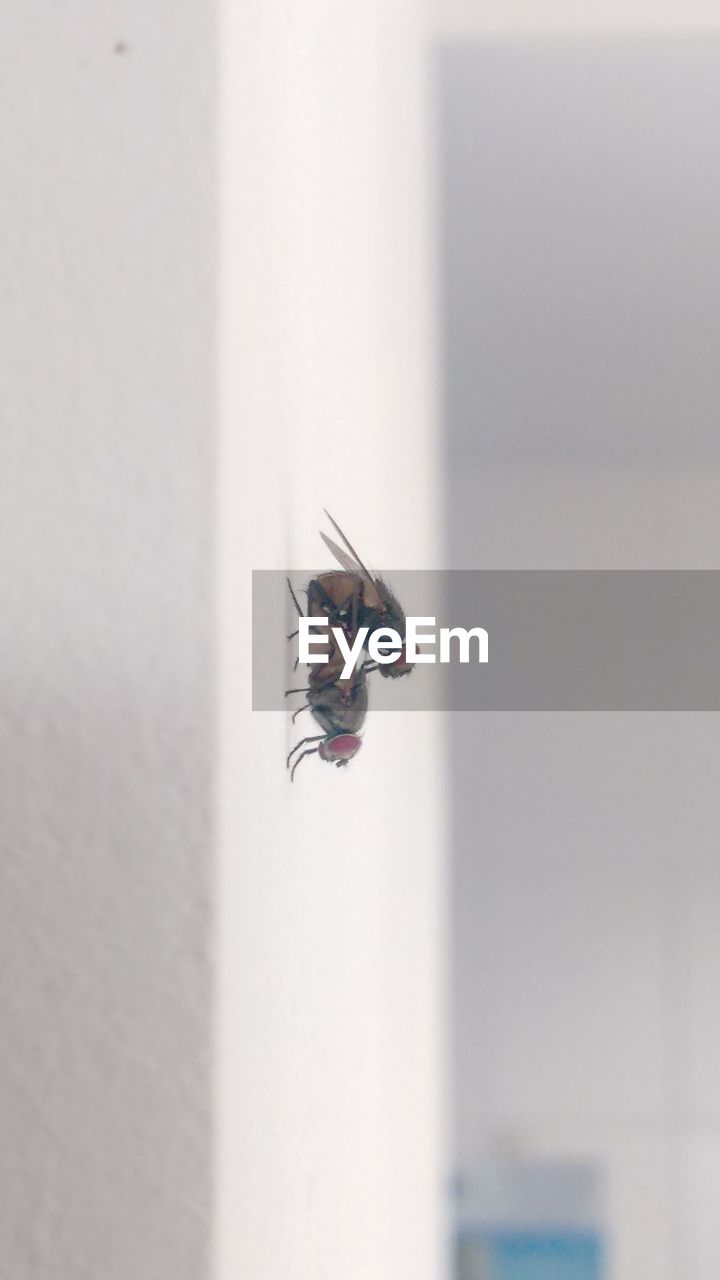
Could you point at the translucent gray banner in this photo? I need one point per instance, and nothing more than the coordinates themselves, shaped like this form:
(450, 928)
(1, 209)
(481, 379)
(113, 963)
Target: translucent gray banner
(558, 640)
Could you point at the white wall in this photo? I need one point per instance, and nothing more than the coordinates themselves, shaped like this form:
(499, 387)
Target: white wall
(330, 1037)
(106, 330)
(581, 198)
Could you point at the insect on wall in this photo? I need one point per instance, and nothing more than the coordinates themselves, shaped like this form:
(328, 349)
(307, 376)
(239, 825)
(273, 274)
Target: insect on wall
(349, 599)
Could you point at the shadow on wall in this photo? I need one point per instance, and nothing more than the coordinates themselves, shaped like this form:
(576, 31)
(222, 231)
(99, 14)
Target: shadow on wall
(106, 489)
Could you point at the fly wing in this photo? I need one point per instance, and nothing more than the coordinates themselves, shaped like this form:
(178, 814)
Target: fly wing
(347, 561)
(363, 568)
(371, 595)
(356, 570)
(351, 561)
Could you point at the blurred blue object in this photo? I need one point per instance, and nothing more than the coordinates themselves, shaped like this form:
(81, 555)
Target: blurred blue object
(529, 1255)
(530, 1220)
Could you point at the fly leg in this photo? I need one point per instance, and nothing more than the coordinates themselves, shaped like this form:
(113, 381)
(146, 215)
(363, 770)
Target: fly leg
(310, 751)
(295, 714)
(300, 613)
(313, 738)
(295, 602)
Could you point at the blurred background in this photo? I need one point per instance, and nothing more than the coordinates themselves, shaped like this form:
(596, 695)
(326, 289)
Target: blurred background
(579, 198)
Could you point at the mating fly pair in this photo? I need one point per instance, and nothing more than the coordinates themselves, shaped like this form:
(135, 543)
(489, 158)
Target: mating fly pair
(349, 598)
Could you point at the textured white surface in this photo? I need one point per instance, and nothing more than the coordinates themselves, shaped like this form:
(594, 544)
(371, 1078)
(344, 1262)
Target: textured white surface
(106, 388)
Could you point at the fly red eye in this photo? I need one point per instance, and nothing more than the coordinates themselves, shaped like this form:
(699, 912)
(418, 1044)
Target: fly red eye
(342, 747)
